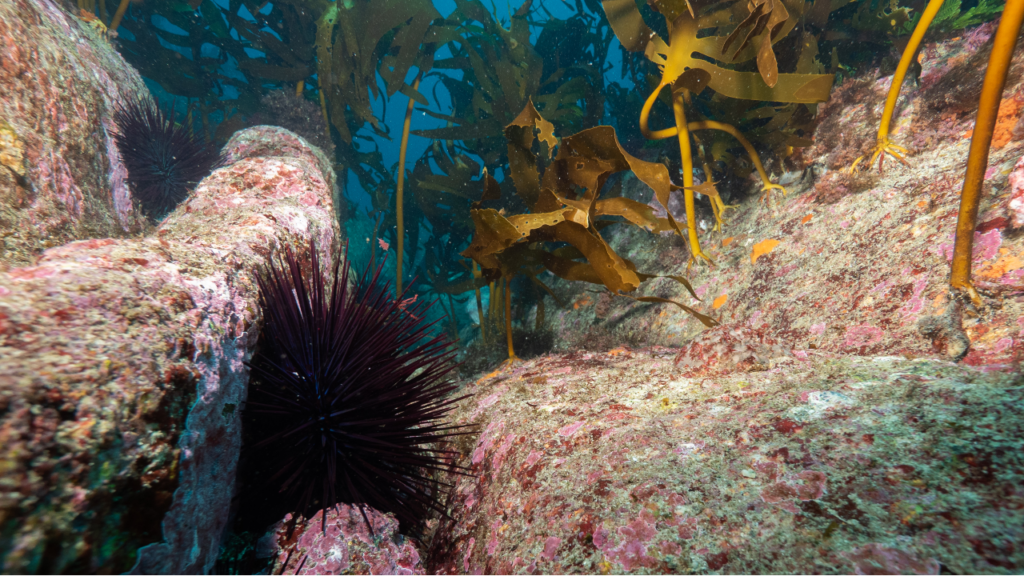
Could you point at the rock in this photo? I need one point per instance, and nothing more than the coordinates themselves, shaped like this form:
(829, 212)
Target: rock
(61, 177)
(618, 463)
(344, 545)
(860, 259)
(1015, 202)
(124, 374)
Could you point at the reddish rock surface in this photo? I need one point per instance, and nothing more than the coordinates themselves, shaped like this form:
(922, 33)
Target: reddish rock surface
(615, 462)
(855, 262)
(119, 424)
(61, 177)
(345, 545)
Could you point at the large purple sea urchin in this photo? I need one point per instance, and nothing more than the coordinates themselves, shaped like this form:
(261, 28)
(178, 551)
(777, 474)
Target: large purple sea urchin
(347, 394)
(165, 160)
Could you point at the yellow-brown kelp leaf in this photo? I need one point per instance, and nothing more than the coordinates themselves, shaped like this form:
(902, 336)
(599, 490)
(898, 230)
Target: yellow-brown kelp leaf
(601, 145)
(347, 41)
(584, 161)
(492, 191)
(768, 17)
(684, 47)
(496, 233)
(629, 25)
(523, 162)
(680, 279)
(640, 214)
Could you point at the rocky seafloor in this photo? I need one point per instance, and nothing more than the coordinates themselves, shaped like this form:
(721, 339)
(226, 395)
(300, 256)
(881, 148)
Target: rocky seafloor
(820, 428)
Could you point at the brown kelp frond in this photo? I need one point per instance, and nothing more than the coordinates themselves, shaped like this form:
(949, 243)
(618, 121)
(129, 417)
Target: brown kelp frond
(565, 208)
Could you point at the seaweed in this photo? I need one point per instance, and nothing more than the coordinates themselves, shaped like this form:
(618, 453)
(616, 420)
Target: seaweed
(691, 62)
(565, 208)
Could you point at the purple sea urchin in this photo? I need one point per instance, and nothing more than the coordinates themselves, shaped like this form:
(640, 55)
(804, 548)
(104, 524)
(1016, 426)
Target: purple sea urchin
(347, 392)
(165, 160)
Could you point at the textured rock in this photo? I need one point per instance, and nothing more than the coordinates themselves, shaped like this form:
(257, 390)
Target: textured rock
(62, 178)
(124, 374)
(860, 261)
(616, 462)
(1015, 202)
(346, 546)
(818, 429)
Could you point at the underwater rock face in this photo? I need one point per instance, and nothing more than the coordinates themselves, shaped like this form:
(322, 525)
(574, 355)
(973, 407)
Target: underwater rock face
(616, 462)
(852, 264)
(61, 177)
(347, 547)
(120, 410)
(1015, 202)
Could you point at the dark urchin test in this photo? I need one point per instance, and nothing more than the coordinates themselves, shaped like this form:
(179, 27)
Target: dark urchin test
(165, 160)
(347, 392)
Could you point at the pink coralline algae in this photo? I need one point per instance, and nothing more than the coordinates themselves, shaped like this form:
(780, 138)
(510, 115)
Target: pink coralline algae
(571, 428)
(806, 457)
(59, 80)
(347, 546)
(878, 559)
(860, 336)
(631, 549)
(726, 349)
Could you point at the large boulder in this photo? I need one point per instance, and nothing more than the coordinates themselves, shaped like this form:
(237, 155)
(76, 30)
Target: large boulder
(61, 177)
(124, 370)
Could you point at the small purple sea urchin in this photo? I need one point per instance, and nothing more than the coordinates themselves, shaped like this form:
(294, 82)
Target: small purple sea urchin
(347, 394)
(165, 160)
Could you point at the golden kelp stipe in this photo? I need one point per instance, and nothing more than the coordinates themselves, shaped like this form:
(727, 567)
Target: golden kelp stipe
(981, 141)
(565, 207)
(883, 146)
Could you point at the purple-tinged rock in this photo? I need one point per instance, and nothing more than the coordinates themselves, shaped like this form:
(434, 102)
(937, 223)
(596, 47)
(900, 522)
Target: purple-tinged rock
(346, 547)
(1015, 202)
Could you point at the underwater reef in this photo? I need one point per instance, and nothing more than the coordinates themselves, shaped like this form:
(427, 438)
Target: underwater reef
(810, 409)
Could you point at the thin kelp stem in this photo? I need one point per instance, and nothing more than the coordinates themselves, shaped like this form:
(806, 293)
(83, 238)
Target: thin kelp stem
(883, 146)
(901, 69)
(121, 9)
(981, 142)
(686, 155)
(400, 216)
(731, 130)
(508, 320)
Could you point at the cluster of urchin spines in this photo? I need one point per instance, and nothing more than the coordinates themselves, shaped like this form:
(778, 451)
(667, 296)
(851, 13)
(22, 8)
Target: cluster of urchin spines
(165, 159)
(349, 392)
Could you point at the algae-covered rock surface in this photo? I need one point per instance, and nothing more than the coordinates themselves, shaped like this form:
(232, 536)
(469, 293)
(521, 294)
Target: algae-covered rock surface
(124, 370)
(822, 427)
(846, 262)
(61, 176)
(615, 462)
